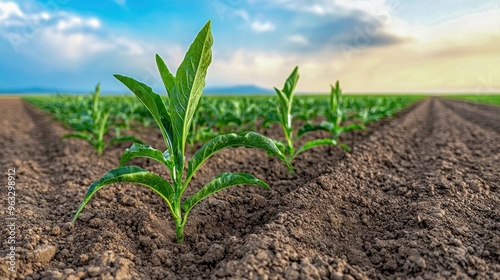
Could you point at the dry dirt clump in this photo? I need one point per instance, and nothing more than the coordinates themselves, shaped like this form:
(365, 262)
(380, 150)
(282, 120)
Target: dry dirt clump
(418, 197)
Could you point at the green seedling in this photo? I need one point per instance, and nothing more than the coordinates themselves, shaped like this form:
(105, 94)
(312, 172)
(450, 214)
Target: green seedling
(184, 91)
(336, 115)
(367, 115)
(96, 126)
(200, 131)
(284, 109)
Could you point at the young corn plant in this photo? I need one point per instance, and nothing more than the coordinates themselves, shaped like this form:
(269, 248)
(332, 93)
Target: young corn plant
(200, 131)
(336, 116)
(184, 91)
(284, 109)
(96, 125)
(368, 115)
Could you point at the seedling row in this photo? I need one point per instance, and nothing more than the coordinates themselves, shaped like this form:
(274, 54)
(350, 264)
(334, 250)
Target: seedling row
(215, 114)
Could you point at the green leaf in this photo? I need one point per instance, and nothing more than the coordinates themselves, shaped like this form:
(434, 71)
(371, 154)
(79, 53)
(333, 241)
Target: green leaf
(353, 126)
(154, 104)
(286, 99)
(333, 98)
(167, 157)
(345, 147)
(81, 135)
(167, 77)
(223, 181)
(189, 84)
(130, 174)
(316, 143)
(124, 139)
(281, 117)
(103, 127)
(246, 139)
(283, 99)
(139, 150)
(336, 105)
(95, 97)
(291, 83)
(281, 146)
(325, 126)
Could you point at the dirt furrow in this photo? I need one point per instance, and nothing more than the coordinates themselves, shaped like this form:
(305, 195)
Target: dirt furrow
(483, 115)
(45, 165)
(26, 146)
(370, 218)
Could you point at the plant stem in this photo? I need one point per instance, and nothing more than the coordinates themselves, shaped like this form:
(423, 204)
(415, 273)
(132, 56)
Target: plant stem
(179, 230)
(176, 205)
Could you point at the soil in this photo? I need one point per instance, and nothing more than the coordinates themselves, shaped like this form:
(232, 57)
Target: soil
(417, 197)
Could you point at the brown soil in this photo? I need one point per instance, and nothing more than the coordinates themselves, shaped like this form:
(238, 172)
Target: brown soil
(418, 197)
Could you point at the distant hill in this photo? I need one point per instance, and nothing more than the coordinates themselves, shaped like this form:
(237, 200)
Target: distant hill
(238, 89)
(38, 90)
(42, 90)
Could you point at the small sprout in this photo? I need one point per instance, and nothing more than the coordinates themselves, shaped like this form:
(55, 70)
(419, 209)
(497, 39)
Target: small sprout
(336, 116)
(97, 126)
(284, 109)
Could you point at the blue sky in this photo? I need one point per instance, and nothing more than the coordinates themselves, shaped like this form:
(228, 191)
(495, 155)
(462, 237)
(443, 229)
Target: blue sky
(370, 46)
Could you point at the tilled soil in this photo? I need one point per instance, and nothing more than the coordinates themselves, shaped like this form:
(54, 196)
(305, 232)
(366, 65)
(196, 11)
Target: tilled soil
(418, 197)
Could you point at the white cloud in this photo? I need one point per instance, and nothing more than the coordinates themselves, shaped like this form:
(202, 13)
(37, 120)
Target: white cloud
(11, 15)
(242, 14)
(459, 54)
(72, 38)
(73, 22)
(244, 66)
(327, 24)
(131, 47)
(461, 29)
(335, 7)
(72, 47)
(9, 9)
(262, 26)
(45, 16)
(60, 36)
(257, 25)
(375, 7)
(94, 23)
(72, 44)
(299, 39)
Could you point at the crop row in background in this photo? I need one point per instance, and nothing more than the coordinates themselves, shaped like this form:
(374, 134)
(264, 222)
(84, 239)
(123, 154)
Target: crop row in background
(216, 114)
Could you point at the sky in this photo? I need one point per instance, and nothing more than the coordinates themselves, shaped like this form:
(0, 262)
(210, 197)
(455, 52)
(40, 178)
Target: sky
(393, 46)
